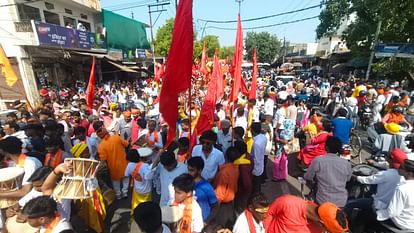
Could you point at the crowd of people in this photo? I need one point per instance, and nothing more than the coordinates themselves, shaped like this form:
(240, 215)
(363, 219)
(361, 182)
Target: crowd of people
(215, 183)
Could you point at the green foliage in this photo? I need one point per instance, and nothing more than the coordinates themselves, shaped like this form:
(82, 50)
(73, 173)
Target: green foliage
(212, 43)
(330, 17)
(397, 18)
(227, 52)
(267, 46)
(163, 38)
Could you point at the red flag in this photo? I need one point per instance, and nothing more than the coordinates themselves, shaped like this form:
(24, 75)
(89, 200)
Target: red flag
(218, 75)
(180, 61)
(90, 90)
(159, 72)
(203, 67)
(206, 120)
(237, 62)
(253, 85)
(243, 87)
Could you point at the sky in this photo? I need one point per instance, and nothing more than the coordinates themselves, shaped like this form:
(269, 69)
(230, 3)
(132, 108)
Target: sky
(300, 32)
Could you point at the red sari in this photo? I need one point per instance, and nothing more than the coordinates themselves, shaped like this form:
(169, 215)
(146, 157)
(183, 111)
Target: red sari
(315, 149)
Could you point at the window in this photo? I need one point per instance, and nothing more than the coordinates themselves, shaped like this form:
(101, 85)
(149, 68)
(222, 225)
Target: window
(84, 26)
(69, 22)
(27, 13)
(49, 6)
(83, 16)
(68, 11)
(51, 17)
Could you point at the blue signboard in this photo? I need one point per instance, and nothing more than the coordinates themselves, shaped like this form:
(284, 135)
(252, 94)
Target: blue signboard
(55, 35)
(395, 50)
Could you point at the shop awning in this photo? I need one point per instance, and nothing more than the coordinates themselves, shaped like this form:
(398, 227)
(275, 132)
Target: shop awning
(124, 33)
(121, 67)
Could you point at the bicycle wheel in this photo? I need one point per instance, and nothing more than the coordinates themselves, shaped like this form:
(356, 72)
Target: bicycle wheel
(356, 145)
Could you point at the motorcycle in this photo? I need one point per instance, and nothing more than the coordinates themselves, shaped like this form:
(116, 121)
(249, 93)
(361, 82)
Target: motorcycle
(366, 117)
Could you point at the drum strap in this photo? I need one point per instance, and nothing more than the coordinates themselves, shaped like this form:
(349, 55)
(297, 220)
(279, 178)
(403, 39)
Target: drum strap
(135, 174)
(155, 138)
(22, 159)
(53, 224)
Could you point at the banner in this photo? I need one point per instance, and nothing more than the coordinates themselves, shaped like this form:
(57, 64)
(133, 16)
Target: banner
(57, 36)
(395, 50)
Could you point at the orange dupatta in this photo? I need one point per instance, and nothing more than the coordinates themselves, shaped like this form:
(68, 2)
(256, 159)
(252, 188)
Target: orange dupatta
(53, 224)
(56, 159)
(151, 143)
(135, 175)
(185, 224)
(22, 159)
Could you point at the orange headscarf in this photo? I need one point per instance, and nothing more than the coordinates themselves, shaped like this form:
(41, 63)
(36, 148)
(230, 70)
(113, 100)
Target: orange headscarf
(327, 213)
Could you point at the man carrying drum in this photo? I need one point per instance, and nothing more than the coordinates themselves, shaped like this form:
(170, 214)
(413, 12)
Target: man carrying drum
(11, 148)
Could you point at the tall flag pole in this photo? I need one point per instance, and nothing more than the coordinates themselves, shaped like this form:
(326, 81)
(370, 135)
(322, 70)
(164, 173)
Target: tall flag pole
(179, 66)
(90, 90)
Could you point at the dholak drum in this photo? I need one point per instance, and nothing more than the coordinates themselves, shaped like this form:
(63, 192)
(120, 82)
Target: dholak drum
(13, 226)
(171, 216)
(10, 180)
(76, 184)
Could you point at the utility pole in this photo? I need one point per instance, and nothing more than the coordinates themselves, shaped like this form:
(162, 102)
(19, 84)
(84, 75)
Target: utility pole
(132, 15)
(159, 9)
(371, 58)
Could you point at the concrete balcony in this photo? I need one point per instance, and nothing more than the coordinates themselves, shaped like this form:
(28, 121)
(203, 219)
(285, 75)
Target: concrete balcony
(92, 4)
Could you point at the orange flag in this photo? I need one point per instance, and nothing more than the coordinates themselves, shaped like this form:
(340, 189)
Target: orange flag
(253, 86)
(6, 69)
(90, 90)
(206, 120)
(237, 62)
(203, 67)
(179, 66)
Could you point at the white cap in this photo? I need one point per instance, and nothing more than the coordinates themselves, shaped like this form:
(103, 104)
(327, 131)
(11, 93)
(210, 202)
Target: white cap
(144, 152)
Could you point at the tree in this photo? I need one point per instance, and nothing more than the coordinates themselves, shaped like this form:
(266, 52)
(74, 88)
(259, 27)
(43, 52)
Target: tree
(212, 43)
(227, 52)
(267, 45)
(163, 38)
(397, 18)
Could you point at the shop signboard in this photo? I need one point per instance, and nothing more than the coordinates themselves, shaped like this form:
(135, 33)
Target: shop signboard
(405, 50)
(57, 36)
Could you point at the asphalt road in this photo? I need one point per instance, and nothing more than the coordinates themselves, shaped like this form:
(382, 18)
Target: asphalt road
(118, 214)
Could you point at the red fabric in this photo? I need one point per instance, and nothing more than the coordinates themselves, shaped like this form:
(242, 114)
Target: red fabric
(179, 64)
(206, 120)
(203, 67)
(159, 72)
(398, 157)
(249, 217)
(287, 214)
(237, 62)
(218, 75)
(243, 87)
(315, 149)
(90, 91)
(253, 86)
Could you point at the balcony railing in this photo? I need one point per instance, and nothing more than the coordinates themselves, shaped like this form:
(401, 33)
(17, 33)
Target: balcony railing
(23, 26)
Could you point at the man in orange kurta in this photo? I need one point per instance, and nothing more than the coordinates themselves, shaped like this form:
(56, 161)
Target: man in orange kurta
(112, 151)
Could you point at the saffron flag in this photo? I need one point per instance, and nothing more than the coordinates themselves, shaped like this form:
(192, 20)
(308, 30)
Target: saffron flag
(179, 65)
(6, 69)
(206, 120)
(90, 90)
(253, 85)
(237, 62)
(203, 67)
